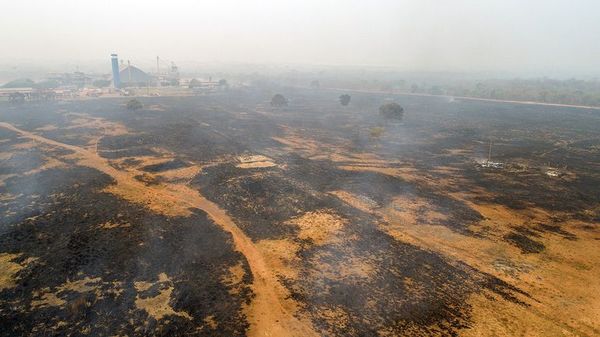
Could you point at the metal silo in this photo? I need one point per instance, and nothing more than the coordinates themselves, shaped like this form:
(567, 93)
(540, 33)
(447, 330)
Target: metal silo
(115, 70)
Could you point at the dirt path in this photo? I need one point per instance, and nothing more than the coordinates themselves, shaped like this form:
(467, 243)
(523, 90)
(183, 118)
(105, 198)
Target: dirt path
(271, 312)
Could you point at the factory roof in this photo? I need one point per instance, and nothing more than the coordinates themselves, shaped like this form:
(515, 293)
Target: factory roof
(133, 75)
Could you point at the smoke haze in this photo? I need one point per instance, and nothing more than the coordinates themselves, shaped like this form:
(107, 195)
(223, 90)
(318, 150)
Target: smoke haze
(495, 35)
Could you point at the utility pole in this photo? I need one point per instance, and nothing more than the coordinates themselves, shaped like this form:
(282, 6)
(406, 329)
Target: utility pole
(490, 152)
(157, 67)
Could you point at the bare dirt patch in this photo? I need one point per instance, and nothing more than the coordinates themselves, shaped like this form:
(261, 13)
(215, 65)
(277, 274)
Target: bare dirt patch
(158, 306)
(321, 227)
(8, 270)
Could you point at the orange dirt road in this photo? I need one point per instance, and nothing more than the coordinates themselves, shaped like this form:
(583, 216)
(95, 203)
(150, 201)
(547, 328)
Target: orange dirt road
(271, 313)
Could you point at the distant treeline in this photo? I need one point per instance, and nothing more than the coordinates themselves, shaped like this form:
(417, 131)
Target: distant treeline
(575, 92)
(572, 91)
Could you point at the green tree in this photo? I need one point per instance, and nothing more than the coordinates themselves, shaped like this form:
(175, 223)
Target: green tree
(194, 83)
(345, 99)
(279, 100)
(391, 110)
(134, 104)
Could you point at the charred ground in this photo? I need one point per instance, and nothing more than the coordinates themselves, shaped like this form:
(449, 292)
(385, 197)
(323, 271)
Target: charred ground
(398, 232)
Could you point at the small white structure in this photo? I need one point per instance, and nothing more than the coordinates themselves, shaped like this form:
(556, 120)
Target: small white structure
(491, 164)
(552, 173)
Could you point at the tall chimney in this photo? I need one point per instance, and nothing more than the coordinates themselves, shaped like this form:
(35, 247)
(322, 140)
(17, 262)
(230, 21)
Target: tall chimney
(115, 70)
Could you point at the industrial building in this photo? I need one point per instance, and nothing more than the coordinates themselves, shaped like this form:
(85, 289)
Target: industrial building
(128, 76)
(132, 76)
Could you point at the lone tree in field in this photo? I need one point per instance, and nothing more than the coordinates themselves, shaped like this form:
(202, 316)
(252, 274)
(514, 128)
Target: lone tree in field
(278, 101)
(194, 83)
(345, 99)
(134, 104)
(391, 110)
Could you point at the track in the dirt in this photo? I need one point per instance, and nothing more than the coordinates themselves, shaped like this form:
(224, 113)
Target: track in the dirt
(273, 317)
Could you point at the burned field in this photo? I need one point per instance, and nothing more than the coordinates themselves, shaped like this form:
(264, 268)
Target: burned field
(223, 216)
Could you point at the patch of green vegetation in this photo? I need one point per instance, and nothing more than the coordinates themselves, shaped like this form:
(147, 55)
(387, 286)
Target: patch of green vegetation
(376, 132)
(134, 104)
(391, 110)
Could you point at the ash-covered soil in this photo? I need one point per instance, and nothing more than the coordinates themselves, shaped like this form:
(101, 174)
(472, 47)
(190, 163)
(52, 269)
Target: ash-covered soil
(222, 216)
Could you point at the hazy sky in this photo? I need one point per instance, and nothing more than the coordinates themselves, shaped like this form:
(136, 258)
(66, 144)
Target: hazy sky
(457, 35)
